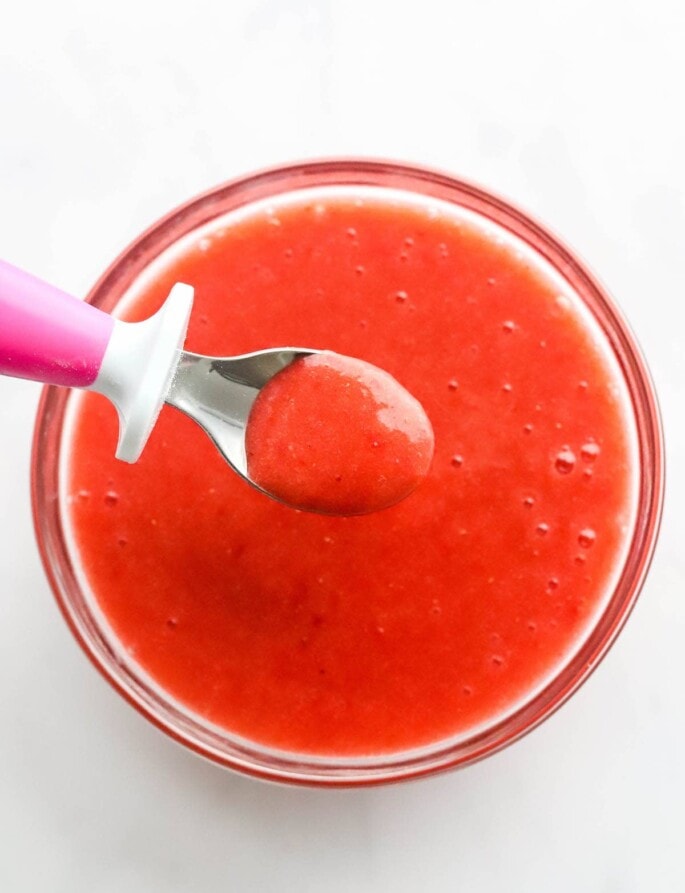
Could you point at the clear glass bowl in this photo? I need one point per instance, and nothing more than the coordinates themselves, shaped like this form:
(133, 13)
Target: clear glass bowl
(217, 745)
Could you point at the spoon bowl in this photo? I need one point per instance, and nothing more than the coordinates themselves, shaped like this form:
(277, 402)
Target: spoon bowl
(218, 394)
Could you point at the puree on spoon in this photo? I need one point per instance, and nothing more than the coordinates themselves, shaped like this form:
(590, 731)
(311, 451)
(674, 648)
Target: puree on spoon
(337, 435)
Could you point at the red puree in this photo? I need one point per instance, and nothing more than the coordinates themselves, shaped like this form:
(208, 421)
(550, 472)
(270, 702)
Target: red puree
(386, 631)
(335, 434)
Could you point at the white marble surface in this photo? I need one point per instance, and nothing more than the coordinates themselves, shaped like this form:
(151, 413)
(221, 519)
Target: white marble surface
(110, 114)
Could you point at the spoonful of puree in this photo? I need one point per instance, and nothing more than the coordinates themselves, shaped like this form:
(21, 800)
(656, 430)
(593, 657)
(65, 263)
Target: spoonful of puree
(316, 430)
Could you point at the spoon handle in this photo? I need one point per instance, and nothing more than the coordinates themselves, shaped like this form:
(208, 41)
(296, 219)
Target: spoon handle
(46, 334)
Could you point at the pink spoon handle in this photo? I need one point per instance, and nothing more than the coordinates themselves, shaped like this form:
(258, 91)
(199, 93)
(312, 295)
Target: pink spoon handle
(47, 335)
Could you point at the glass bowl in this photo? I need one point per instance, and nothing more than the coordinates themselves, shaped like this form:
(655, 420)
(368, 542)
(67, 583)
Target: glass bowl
(245, 756)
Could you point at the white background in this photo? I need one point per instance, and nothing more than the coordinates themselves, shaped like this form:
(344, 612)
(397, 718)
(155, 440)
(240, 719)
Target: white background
(110, 114)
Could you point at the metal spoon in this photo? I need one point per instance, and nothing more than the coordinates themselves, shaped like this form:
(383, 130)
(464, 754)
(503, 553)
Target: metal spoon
(218, 393)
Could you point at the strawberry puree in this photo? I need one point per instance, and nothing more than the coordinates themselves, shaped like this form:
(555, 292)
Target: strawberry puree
(391, 630)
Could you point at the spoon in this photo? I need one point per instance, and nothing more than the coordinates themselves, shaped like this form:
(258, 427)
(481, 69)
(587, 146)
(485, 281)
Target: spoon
(336, 434)
(219, 392)
(49, 336)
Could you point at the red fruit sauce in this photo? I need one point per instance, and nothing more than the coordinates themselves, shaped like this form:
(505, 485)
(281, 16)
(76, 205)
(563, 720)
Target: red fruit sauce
(387, 631)
(337, 435)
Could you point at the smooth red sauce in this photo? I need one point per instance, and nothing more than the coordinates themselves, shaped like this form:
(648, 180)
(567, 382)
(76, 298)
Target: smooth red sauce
(337, 435)
(391, 630)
